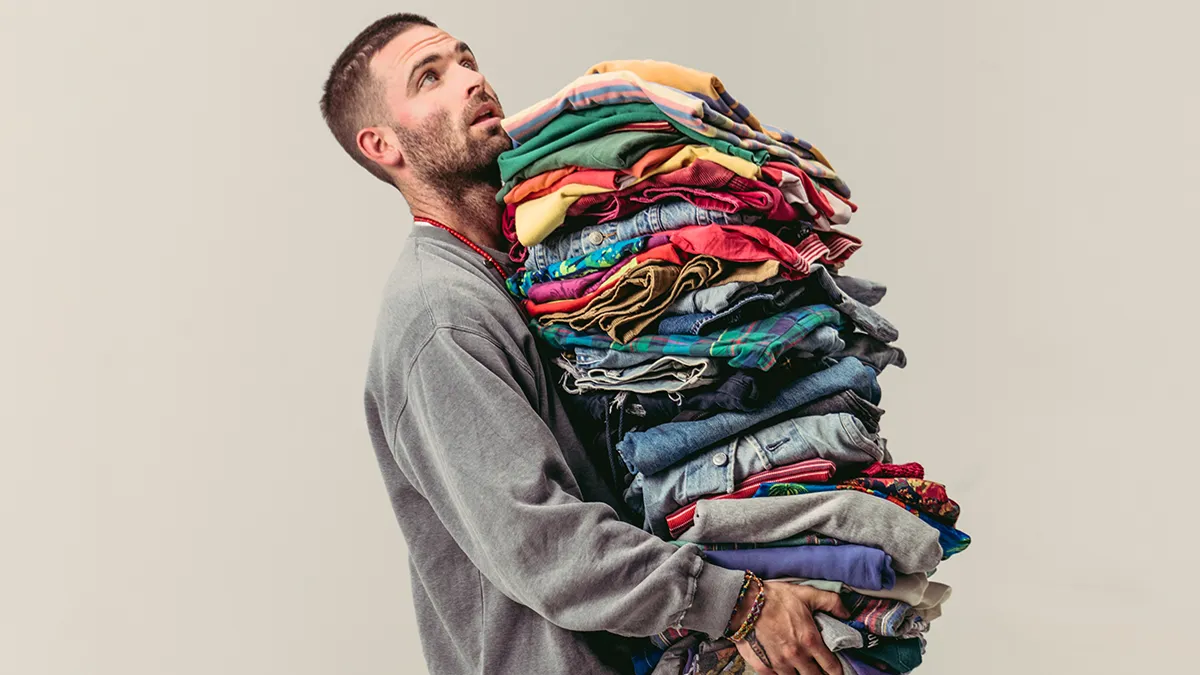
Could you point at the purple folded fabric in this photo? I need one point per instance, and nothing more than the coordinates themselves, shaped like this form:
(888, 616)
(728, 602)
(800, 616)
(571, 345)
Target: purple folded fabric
(858, 566)
(861, 668)
(565, 289)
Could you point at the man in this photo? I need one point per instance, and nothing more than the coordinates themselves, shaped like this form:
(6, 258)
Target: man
(518, 560)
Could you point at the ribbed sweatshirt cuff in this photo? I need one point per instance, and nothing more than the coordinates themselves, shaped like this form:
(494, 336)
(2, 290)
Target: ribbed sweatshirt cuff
(716, 594)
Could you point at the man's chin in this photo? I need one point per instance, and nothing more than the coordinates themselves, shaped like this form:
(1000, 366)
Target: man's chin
(493, 146)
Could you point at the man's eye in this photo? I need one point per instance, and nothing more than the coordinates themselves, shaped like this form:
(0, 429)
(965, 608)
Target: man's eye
(426, 77)
(470, 64)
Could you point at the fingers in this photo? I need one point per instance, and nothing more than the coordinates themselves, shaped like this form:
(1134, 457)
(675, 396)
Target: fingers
(828, 662)
(807, 667)
(797, 654)
(756, 663)
(814, 645)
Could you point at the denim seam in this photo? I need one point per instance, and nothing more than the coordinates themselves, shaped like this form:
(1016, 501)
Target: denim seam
(762, 452)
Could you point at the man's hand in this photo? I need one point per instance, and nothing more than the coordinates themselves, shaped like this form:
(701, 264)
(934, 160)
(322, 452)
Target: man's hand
(788, 634)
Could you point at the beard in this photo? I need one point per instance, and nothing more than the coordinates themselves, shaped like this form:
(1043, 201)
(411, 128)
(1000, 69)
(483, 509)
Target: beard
(449, 156)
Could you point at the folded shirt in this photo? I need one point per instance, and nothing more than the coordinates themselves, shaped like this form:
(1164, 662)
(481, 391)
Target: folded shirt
(909, 470)
(808, 539)
(565, 244)
(713, 186)
(848, 516)
(815, 471)
(617, 150)
(897, 655)
(914, 589)
(849, 563)
(879, 616)
(916, 494)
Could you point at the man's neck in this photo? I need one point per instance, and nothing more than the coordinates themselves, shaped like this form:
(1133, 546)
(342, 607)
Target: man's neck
(475, 214)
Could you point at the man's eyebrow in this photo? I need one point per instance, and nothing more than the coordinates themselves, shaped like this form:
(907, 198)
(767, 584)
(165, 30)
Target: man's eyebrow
(461, 48)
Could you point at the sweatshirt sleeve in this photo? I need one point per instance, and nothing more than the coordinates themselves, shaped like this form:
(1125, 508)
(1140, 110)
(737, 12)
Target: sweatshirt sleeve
(473, 444)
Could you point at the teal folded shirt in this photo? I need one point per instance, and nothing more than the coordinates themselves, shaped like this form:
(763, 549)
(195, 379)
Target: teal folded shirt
(612, 151)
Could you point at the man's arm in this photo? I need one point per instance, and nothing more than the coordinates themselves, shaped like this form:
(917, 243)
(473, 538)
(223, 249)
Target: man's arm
(469, 439)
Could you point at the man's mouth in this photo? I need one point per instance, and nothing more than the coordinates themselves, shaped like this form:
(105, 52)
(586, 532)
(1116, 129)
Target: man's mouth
(486, 113)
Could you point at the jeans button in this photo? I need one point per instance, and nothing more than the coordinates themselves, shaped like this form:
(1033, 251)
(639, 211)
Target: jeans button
(596, 238)
(719, 459)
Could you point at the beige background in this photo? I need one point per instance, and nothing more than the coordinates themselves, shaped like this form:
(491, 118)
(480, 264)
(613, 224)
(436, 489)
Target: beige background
(190, 272)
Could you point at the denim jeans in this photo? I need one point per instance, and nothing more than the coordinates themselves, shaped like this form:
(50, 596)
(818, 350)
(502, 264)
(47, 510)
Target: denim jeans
(848, 402)
(657, 218)
(840, 438)
(744, 310)
(666, 373)
(591, 357)
(711, 299)
(655, 449)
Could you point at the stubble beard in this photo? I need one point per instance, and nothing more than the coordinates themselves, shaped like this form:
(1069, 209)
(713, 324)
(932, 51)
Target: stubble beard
(450, 162)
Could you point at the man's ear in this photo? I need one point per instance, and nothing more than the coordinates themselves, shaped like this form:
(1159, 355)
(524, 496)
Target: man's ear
(381, 146)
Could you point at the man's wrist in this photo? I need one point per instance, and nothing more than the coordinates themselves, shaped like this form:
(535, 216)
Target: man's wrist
(744, 605)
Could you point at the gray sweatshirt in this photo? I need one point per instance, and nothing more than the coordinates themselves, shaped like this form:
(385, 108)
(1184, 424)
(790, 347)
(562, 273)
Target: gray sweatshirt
(518, 560)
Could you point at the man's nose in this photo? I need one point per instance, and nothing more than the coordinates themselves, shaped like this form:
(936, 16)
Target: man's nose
(475, 82)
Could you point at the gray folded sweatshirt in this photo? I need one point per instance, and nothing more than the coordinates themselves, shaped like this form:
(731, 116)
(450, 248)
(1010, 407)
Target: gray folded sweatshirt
(852, 517)
(518, 560)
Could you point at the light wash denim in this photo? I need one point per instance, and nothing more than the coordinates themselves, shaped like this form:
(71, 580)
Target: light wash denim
(839, 437)
(698, 323)
(667, 373)
(657, 448)
(591, 357)
(710, 299)
(659, 217)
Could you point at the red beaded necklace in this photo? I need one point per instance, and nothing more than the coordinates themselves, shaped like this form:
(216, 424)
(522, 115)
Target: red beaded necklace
(474, 247)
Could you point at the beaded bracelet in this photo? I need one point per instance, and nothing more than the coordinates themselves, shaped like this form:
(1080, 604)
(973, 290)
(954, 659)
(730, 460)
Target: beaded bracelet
(756, 611)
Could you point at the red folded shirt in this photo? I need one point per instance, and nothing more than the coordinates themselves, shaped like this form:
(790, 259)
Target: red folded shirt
(910, 470)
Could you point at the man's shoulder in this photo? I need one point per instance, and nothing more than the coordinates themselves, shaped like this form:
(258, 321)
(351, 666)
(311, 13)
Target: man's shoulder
(438, 286)
(437, 292)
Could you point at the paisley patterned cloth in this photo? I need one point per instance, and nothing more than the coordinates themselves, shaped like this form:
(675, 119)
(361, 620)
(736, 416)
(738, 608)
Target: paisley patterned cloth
(923, 495)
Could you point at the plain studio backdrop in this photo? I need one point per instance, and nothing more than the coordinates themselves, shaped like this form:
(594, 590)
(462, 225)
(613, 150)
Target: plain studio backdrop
(191, 269)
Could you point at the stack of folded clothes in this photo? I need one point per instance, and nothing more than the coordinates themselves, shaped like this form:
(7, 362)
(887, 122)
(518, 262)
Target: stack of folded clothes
(684, 262)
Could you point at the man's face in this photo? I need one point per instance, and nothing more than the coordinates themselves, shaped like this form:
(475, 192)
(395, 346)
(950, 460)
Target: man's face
(445, 114)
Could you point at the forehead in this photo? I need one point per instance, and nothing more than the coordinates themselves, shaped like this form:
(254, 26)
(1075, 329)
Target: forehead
(396, 57)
